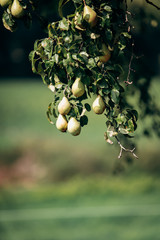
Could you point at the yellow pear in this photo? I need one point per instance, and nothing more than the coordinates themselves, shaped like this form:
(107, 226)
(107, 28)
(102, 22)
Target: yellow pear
(16, 9)
(74, 127)
(98, 105)
(61, 123)
(5, 3)
(107, 54)
(64, 106)
(90, 15)
(78, 88)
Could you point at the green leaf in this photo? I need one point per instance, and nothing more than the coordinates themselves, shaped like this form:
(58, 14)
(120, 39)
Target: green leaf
(121, 118)
(107, 8)
(60, 6)
(55, 58)
(91, 63)
(106, 138)
(87, 107)
(123, 130)
(115, 96)
(135, 114)
(51, 112)
(130, 126)
(86, 80)
(111, 131)
(63, 24)
(83, 120)
(126, 34)
(103, 83)
(8, 21)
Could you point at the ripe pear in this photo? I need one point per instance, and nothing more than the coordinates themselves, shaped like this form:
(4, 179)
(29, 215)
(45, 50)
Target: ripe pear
(61, 123)
(74, 127)
(78, 88)
(107, 54)
(98, 105)
(16, 9)
(64, 106)
(5, 3)
(90, 15)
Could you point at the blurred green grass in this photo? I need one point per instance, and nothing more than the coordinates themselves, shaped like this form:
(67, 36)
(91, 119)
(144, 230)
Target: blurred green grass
(41, 167)
(90, 192)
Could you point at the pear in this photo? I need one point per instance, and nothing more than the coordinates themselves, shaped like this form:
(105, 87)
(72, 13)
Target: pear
(107, 54)
(61, 123)
(90, 15)
(5, 3)
(16, 9)
(64, 106)
(74, 127)
(98, 105)
(78, 88)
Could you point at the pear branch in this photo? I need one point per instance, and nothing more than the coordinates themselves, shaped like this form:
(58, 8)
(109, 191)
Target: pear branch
(122, 148)
(130, 69)
(154, 5)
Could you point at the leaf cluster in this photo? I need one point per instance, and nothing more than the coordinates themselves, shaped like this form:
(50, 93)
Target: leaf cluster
(73, 49)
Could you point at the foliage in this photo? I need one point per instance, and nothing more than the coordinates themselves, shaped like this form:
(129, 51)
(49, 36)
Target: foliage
(73, 49)
(69, 53)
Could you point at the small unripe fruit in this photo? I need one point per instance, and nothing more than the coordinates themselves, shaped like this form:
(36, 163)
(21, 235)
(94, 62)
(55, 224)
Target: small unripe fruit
(16, 9)
(61, 123)
(107, 54)
(5, 3)
(78, 88)
(64, 106)
(98, 105)
(74, 127)
(90, 15)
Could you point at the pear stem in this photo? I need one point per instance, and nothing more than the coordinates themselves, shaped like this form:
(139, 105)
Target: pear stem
(84, 2)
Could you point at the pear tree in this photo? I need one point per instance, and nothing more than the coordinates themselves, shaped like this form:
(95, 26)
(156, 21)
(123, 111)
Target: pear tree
(82, 57)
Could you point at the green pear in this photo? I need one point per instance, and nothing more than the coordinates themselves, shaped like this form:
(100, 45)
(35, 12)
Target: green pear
(98, 105)
(61, 123)
(78, 88)
(16, 9)
(64, 106)
(5, 3)
(90, 15)
(74, 127)
(107, 54)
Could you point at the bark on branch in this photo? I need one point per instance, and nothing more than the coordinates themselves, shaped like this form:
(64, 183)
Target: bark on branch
(151, 3)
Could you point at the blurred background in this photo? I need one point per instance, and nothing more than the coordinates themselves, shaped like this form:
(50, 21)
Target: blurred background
(56, 187)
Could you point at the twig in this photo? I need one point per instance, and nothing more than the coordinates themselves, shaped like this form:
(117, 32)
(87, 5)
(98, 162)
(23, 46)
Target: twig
(84, 2)
(80, 47)
(151, 3)
(130, 69)
(125, 149)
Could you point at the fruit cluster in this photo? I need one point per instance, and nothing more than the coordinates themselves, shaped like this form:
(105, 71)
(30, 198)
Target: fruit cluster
(15, 10)
(64, 107)
(81, 57)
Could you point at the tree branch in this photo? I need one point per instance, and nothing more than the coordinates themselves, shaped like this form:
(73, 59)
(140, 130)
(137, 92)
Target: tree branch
(151, 3)
(125, 149)
(130, 69)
